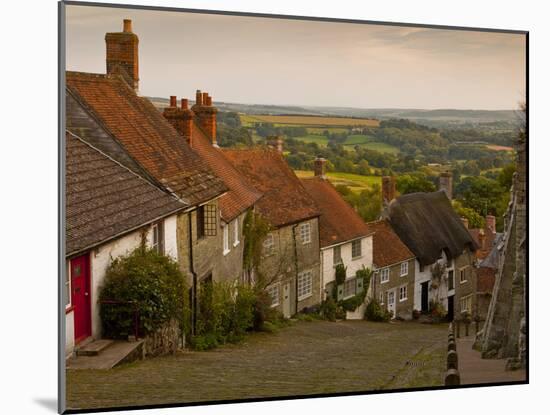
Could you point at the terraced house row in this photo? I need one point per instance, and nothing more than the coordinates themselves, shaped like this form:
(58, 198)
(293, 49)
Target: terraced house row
(135, 174)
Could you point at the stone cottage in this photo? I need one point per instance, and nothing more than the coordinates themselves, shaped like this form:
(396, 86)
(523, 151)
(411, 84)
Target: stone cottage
(290, 265)
(444, 251)
(344, 238)
(393, 283)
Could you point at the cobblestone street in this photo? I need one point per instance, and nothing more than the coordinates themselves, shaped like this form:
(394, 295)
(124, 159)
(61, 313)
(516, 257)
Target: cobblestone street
(306, 358)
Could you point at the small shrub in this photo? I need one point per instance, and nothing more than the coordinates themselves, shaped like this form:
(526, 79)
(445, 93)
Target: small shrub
(340, 274)
(375, 312)
(269, 327)
(152, 283)
(328, 309)
(437, 310)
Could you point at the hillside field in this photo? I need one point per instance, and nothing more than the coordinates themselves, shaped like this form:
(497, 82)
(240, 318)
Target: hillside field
(355, 182)
(308, 121)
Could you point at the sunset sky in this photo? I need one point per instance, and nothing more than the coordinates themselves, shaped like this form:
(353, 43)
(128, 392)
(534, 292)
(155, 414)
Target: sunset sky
(293, 62)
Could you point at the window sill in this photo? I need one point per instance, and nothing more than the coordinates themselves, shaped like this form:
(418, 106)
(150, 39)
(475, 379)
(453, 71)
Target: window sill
(226, 251)
(404, 299)
(463, 282)
(355, 258)
(384, 282)
(337, 263)
(236, 244)
(305, 297)
(274, 305)
(306, 243)
(404, 275)
(69, 309)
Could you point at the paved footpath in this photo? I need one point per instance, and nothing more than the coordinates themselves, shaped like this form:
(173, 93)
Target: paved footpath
(475, 370)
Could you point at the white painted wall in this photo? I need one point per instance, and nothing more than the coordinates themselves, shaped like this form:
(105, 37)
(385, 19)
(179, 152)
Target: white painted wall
(426, 275)
(100, 259)
(69, 333)
(353, 265)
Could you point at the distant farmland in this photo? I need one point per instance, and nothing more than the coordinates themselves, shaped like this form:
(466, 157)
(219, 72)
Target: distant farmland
(309, 121)
(355, 182)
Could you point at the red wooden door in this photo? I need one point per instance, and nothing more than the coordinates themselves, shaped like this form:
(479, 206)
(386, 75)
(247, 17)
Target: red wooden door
(80, 297)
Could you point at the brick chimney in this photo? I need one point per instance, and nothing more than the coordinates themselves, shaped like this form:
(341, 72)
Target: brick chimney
(490, 223)
(180, 118)
(122, 54)
(275, 141)
(388, 189)
(465, 222)
(319, 167)
(206, 115)
(446, 184)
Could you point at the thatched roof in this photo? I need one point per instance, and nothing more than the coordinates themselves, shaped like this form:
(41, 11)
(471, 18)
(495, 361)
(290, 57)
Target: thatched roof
(428, 224)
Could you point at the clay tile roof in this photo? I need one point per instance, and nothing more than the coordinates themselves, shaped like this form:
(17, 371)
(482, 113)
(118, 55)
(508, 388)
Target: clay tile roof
(338, 222)
(241, 194)
(388, 249)
(146, 135)
(285, 200)
(428, 224)
(105, 200)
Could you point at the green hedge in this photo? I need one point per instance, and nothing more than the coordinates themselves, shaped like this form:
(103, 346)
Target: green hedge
(147, 281)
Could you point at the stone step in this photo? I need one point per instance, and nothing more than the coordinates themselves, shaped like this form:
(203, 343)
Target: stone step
(117, 353)
(94, 348)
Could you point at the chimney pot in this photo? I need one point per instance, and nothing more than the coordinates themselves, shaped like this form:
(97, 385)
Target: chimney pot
(173, 100)
(198, 98)
(204, 98)
(184, 103)
(209, 100)
(388, 189)
(319, 167)
(127, 27)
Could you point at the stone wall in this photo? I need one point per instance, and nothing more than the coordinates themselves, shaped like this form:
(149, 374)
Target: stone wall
(166, 340)
(403, 309)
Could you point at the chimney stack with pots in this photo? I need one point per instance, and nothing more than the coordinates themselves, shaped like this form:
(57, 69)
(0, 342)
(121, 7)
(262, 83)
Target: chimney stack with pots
(122, 54)
(319, 167)
(275, 141)
(490, 223)
(206, 115)
(446, 184)
(180, 118)
(388, 189)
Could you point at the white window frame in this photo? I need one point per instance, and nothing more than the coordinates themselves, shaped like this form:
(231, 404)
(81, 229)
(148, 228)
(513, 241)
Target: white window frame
(350, 282)
(334, 250)
(268, 245)
(357, 241)
(403, 289)
(236, 239)
(404, 271)
(68, 300)
(466, 301)
(384, 275)
(305, 233)
(274, 292)
(157, 237)
(462, 273)
(308, 283)
(225, 233)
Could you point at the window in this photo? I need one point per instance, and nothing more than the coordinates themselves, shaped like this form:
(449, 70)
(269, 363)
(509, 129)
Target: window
(305, 280)
(337, 255)
(236, 240)
(404, 269)
(273, 292)
(451, 280)
(269, 244)
(349, 287)
(226, 239)
(402, 293)
(207, 221)
(384, 275)
(421, 268)
(356, 248)
(466, 304)
(463, 275)
(158, 237)
(68, 286)
(305, 233)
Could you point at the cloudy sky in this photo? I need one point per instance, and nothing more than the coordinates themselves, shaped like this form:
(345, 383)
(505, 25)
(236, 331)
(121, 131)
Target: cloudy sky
(292, 62)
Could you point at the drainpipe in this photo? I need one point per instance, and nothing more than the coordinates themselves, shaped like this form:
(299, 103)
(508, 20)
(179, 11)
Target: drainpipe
(194, 274)
(295, 266)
